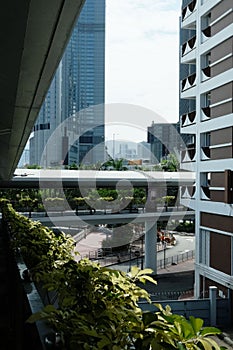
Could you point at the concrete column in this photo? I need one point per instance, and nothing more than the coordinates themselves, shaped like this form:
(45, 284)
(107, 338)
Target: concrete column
(213, 305)
(151, 246)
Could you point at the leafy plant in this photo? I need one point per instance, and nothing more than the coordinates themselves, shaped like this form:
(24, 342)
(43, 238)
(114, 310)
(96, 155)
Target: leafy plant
(40, 247)
(98, 308)
(171, 163)
(162, 328)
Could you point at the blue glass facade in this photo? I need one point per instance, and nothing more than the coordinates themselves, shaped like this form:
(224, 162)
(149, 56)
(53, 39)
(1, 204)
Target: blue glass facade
(78, 85)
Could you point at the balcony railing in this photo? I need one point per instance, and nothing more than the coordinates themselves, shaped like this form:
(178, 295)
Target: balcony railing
(205, 152)
(206, 73)
(206, 113)
(189, 9)
(188, 192)
(191, 152)
(189, 45)
(206, 33)
(188, 155)
(188, 118)
(191, 190)
(188, 82)
(205, 192)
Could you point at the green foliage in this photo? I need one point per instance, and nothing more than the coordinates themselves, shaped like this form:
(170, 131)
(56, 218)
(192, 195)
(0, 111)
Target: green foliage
(54, 202)
(163, 328)
(27, 202)
(33, 166)
(139, 196)
(98, 308)
(31, 199)
(40, 247)
(171, 163)
(167, 200)
(72, 166)
(107, 192)
(114, 164)
(157, 167)
(186, 227)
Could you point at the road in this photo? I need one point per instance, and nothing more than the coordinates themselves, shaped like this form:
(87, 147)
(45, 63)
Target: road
(93, 241)
(183, 245)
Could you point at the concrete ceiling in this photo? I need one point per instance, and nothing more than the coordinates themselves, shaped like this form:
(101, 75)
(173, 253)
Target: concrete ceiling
(33, 36)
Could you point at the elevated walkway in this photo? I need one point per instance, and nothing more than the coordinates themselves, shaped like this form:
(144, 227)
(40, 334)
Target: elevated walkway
(71, 219)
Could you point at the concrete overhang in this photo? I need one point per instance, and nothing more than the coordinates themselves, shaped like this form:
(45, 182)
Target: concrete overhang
(33, 35)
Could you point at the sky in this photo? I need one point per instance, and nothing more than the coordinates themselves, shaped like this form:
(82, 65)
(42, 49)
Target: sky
(142, 60)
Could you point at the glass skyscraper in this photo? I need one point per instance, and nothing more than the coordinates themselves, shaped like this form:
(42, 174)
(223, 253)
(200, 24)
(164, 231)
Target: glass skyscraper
(76, 95)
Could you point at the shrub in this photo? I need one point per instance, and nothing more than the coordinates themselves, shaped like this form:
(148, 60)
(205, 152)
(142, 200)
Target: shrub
(98, 308)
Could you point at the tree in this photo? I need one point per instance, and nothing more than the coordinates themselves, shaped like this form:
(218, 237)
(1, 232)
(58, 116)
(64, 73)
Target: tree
(171, 163)
(114, 164)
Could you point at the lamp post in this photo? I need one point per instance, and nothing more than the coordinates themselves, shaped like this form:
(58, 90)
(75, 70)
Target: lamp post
(142, 253)
(113, 145)
(164, 254)
(130, 257)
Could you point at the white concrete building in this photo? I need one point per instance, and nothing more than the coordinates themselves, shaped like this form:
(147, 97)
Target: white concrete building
(206, 56)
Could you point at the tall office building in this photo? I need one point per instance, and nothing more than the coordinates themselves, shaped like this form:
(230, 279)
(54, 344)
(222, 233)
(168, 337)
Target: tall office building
(207, 93)
(77, 88)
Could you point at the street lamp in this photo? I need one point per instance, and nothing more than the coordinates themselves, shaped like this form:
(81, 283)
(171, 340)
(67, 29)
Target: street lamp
(130, 257)
(142, 253)
(113, 145)
(164, 254)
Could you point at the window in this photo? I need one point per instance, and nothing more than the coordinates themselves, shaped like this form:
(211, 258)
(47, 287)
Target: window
(204, 247)
(205, 139)
(205, 106)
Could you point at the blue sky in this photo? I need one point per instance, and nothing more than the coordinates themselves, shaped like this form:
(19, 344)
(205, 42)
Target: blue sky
(142, 55)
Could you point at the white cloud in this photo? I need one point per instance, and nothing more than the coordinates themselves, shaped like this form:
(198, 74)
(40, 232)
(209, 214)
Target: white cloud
(142, 54)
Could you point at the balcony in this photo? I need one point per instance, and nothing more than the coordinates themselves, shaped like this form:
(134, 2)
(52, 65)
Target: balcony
(188, 82)
(205, 113)
(189, 45)
(205, 153)
(206, 33)
(188, 192)
(189, 154)
(188, 118)
(205, 193)
(189, 9)
(206, 73)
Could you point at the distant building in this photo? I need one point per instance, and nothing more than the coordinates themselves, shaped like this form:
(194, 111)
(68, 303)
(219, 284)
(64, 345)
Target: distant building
(164, 138)
(122, 149)
(24, 160)
(143, 150)
(78, 85)
(127, 152)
